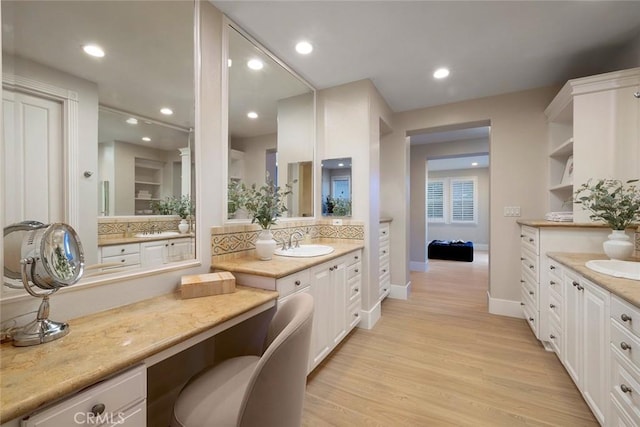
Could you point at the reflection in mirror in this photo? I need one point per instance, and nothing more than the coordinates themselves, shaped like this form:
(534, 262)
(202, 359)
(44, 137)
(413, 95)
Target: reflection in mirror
(110, 153)
(277, 142)
(336, 187)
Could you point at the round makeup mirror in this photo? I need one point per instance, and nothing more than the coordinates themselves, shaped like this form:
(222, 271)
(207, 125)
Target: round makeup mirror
(50, 257)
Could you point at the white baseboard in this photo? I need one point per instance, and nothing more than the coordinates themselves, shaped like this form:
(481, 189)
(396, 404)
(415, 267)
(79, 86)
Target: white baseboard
(419, 266)
(369, 318)
(505, 307)
(400, 291)
(481, 246)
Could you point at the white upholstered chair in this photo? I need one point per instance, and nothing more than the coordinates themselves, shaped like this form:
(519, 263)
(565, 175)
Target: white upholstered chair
(253, 391)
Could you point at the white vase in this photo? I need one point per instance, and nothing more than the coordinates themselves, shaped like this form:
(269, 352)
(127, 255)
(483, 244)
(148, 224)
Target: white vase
(265, 245)
(183, 227)
(618, 246)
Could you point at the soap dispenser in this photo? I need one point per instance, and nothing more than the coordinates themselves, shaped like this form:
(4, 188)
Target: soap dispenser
(307, 237)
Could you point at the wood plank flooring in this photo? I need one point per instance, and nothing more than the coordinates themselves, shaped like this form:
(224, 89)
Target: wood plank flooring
(439, 359)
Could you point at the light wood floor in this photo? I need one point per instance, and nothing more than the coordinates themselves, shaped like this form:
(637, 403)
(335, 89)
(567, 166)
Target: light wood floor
(439, 359)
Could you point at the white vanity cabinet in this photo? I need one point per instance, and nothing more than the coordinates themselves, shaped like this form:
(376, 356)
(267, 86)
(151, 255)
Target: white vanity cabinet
(336, 287)
(118, 401)
(529, 277)
(384, 286)
(160, 252)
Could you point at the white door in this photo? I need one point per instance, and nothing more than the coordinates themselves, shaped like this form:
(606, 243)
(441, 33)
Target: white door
(33, 156)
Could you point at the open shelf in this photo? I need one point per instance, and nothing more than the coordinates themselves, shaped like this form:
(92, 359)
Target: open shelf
(563, 150)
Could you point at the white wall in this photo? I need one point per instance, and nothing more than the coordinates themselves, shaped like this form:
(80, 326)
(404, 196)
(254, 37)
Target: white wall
(477, 233)
(518, 150)
(295, 133)
(255, 163)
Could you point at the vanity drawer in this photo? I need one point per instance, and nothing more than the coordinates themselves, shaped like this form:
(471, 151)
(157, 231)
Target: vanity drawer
(115, 395)
(531, 316)
(625, 314)
(625, 385)
(555, 308)
(529, 263)
(620, 417)
(530, 238)
(353, 314)
(555, 337)
(114, 250)
(384, 231)
(530, 288)
(384, 249)
(354, 257)
(354, 270)
(121, 261)
(293, 283)
(355, 290)
(627, 343)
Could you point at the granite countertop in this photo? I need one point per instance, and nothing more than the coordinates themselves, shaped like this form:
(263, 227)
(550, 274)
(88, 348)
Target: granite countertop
(109, 241)
(280, 266)
(105, 343)
(626, 289)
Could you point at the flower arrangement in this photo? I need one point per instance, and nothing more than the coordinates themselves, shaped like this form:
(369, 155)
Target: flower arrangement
(337, 206)
(183, 206)
(610, 200)
(264, 204)
(235, 198)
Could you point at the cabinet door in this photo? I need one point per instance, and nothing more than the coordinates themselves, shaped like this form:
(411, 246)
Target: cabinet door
(321, 336)
(573, 328)
(154, 253)
(179, 249)
(595, 342)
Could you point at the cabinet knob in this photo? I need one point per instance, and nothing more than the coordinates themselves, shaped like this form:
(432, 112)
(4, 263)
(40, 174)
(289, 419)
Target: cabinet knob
(356, 290)
(356, 314)
(172, 244)
(625, 317)
(98, 408)
(625, 346)
(551, 282)
(384, 232)
(123, 260)
(522, 235)
(356, 270)
(384, 252)
(553, 337)
(330, 268)
(636, 95)
(552, 306)
(530, 319)
(356, 257)
(552, 267)
(384, 270)
(530, 292)
(385, 289)
(531, 266)
(122, 250)
(335, 267)
(531, 240)
(522, 303)
(521, 258)
(625, 388)
(521, 281)
(297, 282)
(580, 288)
(574, 283)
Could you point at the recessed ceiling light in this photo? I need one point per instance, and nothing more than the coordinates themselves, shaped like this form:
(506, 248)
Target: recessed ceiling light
(146, 139)
(166, 111)
(132, 121)
(340, 165)
(93, 50)
(441, 73)
(474, 164)
(252, 115)
(255, 64)
(304, 48)
(229, 62)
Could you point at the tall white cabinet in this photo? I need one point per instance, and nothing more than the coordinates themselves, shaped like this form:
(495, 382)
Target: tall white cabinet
(594, 122)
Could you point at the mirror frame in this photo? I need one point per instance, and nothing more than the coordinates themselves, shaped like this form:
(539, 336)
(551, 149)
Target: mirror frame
(74, 171)
(229, 25)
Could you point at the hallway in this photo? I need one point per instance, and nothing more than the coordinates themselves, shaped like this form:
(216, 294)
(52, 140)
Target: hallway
(439, 359)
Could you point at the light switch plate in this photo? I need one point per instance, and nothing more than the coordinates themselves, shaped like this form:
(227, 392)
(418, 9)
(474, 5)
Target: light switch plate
(512, 211)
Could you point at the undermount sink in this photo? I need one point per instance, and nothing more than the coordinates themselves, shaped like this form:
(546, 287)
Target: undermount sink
(616, 268)
(305, 251)
(157, 235)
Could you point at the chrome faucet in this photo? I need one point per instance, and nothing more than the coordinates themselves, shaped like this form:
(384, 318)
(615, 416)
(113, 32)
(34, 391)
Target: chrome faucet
(299, 234)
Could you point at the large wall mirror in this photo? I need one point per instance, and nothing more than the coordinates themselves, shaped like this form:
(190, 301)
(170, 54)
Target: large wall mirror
(99, 110)
(271, 126)
(336, 187)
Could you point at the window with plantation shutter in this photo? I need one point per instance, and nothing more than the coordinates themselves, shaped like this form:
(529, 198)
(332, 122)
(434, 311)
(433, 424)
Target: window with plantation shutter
(464, 200)
(435, 201)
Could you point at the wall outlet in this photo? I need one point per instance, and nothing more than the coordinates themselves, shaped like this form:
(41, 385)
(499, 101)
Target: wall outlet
(336, 221)
(512, 211)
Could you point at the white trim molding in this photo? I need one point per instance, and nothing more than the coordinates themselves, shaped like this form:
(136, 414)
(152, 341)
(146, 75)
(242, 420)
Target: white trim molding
(369, 318)
(419, 266)
(505, 307)
(400, 291)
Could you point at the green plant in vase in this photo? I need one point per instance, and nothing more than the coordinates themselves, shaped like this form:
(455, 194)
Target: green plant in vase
(615, 202)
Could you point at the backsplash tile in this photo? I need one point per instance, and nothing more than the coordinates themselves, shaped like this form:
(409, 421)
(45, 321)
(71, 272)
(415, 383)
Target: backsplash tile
(117, 227)
(234, 240)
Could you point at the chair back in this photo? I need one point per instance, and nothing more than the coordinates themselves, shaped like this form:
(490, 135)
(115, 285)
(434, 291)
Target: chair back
(275, 395)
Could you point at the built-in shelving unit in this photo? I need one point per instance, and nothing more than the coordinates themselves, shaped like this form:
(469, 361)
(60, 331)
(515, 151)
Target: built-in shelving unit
(148, 184)
(560, 114)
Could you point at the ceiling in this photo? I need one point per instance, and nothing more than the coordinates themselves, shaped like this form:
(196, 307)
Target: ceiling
(491, 47)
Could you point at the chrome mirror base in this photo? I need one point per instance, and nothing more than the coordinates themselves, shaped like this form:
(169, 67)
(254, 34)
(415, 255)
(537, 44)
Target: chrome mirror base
(39, 332)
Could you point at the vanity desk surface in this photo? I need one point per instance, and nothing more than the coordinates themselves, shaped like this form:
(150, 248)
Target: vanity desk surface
(626, 289)
(105, 343)
(281, 266)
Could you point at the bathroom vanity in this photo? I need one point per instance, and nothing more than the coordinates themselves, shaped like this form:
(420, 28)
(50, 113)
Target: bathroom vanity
(100, 367)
